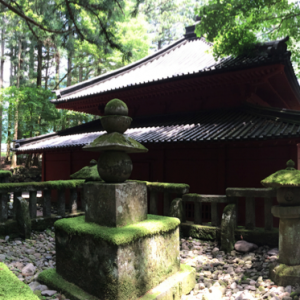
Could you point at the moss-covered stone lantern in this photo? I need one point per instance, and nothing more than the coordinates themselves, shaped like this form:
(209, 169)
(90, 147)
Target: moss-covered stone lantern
(116, 251)
(114, 164)
(286, 271)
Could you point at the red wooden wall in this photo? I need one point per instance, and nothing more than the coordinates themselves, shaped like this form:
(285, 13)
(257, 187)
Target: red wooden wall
(207, 168)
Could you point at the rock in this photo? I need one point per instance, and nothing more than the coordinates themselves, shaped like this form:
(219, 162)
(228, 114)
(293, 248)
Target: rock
(273, 251)
(6, 238)
(243, 246)
(28, 270)
(48, 293)
(33, 285)
(2, 257)
(288, 289)
(41, 287)
(176, 209)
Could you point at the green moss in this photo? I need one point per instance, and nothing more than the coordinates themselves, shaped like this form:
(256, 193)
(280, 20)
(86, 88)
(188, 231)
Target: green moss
(4, 173)
(288, 177)
(115, 141)
(55, 281)
(88, 173)
(11, 288)
(57, 184)
(121, 235)
(165, 187)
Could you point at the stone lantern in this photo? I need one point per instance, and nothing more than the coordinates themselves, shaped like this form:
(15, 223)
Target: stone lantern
(286, 271)
(116, 251)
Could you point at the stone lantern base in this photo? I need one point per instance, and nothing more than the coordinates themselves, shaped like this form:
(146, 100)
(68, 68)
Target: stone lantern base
(121, 263)
(284, 275)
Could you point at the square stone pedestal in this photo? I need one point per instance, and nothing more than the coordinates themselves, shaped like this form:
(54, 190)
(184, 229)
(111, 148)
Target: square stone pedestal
(284, 275)
(115, 204)
(117, 263)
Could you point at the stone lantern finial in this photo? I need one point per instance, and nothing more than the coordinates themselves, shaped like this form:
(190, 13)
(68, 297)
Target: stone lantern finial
(290, 165)
(114, 164)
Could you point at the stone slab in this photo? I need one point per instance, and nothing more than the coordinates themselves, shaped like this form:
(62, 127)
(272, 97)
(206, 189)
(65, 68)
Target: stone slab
(284, 275)
(115, 204)
(172, 288)
(177, 285)
(286, 212)
(117, 263)
(200, 231)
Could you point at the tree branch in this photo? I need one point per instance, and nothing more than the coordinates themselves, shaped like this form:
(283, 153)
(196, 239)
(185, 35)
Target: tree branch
(20, 14)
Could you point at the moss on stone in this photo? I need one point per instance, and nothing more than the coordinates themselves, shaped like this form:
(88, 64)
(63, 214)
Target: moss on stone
(183, 283)
(282, 178)
(55, 281)
(122, 235)
(53, 185)
(88, 173)
(200, 231)
(115, 141)
(165, 186)
(4, 173)
(116, 107)
(11, 288)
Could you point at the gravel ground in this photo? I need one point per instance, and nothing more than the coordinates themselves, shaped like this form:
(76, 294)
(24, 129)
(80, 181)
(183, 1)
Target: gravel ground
(238, 276)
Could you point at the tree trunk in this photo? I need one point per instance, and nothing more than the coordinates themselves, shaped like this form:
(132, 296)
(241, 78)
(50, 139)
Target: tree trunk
(69, 78)
(57, 61)
(39, 65)
(47, 68)
(1, 84)
(16, 120)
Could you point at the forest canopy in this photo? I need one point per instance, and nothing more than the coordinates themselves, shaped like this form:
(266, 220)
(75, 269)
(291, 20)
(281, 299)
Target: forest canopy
(47, 45)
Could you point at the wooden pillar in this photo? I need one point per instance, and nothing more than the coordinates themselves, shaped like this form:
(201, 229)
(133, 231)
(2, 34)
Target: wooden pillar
(61, 202)
(32, 204)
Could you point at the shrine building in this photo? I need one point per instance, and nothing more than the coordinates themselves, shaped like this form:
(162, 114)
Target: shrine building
(209, 124)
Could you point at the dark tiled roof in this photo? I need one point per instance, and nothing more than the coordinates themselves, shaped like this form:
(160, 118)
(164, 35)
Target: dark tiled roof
(243, 123)
(186, 57)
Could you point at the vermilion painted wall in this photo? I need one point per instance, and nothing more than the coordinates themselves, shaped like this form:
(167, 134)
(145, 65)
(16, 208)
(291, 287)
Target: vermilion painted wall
(207, 168)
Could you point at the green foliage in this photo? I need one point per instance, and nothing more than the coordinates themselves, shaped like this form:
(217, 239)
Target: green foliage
(167, 19)
(235, 25)
(119, 235)
(35, 111)
(11, 288)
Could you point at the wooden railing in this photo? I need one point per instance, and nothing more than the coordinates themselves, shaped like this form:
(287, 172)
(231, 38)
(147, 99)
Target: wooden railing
(33, 187)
